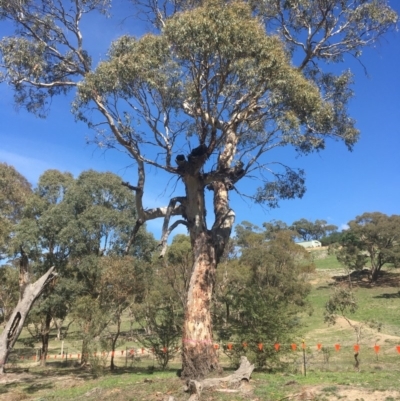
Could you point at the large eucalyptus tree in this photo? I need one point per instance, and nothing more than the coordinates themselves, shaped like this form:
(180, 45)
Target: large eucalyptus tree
(205, 98)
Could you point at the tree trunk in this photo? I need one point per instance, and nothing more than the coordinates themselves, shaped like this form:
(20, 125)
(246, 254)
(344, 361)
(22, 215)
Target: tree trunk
(198, 354)
(85, 348)
(58, 323)
(374, 274)
(114, 343)
(45, 335)
(16, 322)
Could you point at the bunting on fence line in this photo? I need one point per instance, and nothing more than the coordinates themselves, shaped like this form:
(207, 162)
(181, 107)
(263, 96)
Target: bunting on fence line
(228, 347)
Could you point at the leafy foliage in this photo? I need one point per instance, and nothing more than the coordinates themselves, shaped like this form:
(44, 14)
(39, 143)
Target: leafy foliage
(9, 291)
(14, 192)
(373, 237)
(308, 230)
(160, 316)
(263, 293)
(341, 302)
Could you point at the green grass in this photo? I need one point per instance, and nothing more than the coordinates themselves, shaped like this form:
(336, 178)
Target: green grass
(328, 371)
(276, 387)
(45, 385)
(324, 261)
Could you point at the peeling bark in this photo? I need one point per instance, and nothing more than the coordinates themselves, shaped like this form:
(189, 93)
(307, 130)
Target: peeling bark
(16, 322)
(198, 354)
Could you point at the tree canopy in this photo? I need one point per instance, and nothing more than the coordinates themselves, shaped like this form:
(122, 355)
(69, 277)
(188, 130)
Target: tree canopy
(261, 293)
(373, 237)
(14, 192)
(308, 230)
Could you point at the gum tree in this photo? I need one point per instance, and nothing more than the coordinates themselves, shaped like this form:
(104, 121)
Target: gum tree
(374, 238)
(15, 191)
(39, 236)
(205, 99)
(308, 230)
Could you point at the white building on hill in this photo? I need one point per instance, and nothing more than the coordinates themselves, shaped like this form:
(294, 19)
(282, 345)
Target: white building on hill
(310, 244)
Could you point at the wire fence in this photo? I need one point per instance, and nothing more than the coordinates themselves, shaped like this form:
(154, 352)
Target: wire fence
(298, 357)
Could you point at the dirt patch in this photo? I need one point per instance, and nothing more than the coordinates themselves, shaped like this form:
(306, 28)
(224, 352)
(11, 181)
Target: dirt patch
(16, 378)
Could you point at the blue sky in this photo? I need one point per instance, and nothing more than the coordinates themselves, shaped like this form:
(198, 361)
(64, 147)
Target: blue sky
(340, 184)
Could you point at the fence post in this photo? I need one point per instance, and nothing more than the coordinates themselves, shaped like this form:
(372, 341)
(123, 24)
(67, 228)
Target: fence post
(304, 357)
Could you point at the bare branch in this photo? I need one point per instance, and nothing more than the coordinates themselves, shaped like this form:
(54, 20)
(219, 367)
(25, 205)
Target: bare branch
(166, 233)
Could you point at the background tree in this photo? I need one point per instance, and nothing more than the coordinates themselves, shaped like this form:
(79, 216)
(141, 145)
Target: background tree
(160, 314)
(272, 228)
(334, 238)
(8, 291)
(177, 266)
(308, 230)
(342, 302)
(372, 237)
(14, 192)
(103, 213)
(39, 234)
(266, 297)
(214, 75)
(121, 284)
